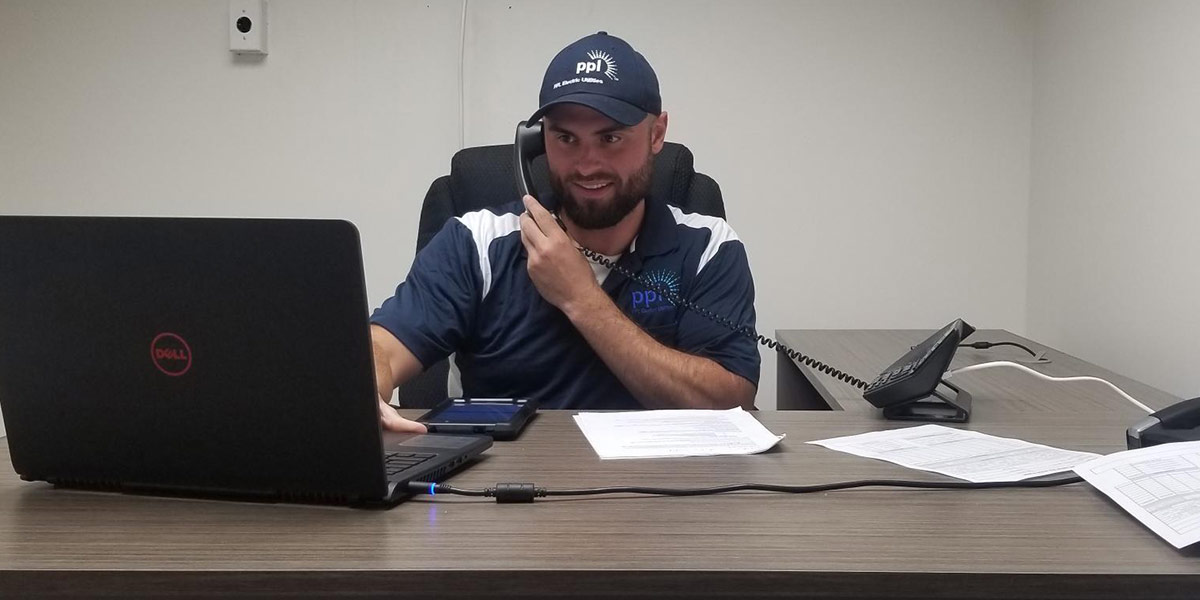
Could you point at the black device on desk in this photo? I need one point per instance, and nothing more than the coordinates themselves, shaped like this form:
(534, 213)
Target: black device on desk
(154, 354)
(906, 390)
(1179, 422)
(501, 418)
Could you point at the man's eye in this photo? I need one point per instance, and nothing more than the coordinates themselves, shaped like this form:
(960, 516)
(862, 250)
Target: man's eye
(612, 139)
(565, 138)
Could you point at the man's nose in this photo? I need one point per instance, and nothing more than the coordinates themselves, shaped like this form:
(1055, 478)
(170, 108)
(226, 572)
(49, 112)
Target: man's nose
(589, 162)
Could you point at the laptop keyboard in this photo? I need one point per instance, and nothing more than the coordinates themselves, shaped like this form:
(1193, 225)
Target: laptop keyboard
(397, 462)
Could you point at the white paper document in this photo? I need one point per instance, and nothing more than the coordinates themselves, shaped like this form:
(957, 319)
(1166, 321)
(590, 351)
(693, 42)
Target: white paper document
(672, 433)
(968, 455)
(1159, 486)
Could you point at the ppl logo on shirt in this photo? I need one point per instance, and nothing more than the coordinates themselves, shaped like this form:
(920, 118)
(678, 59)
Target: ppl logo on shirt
(651, 300)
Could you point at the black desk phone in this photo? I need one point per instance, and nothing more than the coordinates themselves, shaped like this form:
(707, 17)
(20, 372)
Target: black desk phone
(906, 390)
(1179, 422)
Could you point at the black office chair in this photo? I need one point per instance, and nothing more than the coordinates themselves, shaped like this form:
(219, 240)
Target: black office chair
(483, 176)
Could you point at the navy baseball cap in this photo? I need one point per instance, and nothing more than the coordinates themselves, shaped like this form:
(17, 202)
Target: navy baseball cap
(604, 73)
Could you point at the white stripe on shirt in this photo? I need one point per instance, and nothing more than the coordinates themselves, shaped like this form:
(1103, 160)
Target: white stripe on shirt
(486, 227)
(720, 232)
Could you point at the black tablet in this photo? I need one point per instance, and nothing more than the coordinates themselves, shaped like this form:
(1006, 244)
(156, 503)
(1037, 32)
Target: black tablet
(501, 418)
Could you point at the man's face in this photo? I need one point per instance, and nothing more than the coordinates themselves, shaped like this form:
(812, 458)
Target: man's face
(600, 169)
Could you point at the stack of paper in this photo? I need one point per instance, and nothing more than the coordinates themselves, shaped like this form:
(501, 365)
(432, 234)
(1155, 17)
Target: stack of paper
(670, 433)
(966, 455)
(1159, 485)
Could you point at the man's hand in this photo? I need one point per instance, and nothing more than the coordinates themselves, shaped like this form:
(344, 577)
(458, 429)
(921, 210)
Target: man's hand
(559, 272)
(394, 364)
(392, 421)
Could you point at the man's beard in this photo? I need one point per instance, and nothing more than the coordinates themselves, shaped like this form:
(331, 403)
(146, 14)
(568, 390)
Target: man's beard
(599, 215)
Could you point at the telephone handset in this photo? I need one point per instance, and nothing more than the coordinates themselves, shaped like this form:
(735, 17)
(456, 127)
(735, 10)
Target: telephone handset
(910, 382)
(529, 145)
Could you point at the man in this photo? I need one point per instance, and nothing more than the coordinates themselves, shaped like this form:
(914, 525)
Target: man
(527, 315)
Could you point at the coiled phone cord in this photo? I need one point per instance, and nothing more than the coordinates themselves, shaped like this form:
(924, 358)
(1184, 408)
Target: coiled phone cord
(718, 319)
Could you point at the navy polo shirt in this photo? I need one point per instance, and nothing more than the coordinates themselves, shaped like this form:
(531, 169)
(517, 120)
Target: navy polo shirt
(469, 293)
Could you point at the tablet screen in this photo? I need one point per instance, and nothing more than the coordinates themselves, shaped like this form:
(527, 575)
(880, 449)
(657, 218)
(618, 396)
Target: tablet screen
(475, 413)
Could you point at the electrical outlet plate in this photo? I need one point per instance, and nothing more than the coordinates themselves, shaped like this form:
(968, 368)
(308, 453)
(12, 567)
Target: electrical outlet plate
(248, 26)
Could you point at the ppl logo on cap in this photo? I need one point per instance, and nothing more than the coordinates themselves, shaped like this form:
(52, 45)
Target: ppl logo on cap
(599, 62)
(171, 354)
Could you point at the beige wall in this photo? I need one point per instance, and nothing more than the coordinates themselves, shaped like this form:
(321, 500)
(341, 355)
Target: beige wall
(1115, 195)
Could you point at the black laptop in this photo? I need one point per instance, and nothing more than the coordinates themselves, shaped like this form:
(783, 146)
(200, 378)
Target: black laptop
(220, 357)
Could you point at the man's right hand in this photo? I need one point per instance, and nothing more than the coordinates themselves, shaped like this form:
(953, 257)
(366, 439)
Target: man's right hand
(394, 364)
(392, 421)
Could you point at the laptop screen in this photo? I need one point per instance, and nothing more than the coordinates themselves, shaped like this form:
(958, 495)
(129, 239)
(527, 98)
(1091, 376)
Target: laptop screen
(192, 352)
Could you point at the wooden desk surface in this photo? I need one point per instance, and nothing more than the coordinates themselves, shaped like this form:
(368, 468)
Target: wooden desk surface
(1067, 542)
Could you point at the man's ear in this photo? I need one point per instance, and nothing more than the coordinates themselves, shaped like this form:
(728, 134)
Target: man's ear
(658, 133)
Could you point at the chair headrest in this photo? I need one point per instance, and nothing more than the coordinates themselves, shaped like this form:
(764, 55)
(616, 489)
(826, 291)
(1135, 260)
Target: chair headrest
(483, 176)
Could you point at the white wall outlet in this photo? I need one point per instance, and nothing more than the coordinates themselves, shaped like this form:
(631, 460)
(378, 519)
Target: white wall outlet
(248, 26)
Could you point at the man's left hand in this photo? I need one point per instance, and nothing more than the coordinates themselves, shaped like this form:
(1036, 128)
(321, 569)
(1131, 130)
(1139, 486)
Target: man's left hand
(560, 273)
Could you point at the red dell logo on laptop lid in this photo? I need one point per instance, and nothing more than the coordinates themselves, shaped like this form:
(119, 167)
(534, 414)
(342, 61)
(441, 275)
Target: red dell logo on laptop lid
(171, 354)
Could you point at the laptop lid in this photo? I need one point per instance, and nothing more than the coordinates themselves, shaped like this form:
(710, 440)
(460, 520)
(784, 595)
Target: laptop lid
(222, 355)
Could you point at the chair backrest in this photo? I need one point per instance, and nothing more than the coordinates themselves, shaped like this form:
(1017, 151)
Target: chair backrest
(483, 176)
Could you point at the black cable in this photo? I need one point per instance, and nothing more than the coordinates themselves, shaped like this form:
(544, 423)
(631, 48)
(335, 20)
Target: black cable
(741, 329)
(986, 345)
(526, 492)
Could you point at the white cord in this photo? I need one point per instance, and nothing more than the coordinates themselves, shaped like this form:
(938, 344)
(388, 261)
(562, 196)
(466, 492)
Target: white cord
(1005, 363)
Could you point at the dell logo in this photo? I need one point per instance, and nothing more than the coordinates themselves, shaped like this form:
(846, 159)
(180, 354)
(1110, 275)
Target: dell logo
(171, 354)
